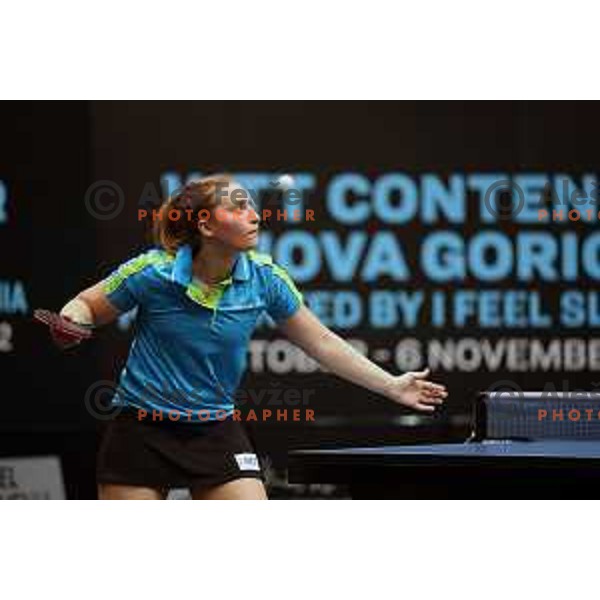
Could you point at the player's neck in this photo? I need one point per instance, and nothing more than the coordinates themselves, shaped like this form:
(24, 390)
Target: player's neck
(213, 264)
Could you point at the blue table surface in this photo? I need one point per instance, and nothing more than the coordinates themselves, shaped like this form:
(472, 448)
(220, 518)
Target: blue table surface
(542, 448)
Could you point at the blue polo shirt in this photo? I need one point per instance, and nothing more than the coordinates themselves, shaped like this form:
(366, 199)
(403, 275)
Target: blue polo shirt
(190, 346)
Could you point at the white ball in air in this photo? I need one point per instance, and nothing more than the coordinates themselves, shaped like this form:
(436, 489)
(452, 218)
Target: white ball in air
(285, 182)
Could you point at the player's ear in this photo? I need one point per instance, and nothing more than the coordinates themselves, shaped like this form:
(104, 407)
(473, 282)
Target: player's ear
(205, 228)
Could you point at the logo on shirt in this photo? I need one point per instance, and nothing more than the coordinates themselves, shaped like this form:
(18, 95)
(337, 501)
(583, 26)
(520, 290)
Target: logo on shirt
(247, 462)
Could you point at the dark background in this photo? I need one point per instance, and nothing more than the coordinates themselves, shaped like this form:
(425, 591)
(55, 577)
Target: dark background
(53, 151)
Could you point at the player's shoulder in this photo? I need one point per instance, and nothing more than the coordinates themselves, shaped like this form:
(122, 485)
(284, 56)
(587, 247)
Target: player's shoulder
(147, 258)
(267, 266)
(145, 262)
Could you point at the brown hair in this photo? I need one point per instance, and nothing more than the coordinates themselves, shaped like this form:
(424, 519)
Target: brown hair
(176, 225)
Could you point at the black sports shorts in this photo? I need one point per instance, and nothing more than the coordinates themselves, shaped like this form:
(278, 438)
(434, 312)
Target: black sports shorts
(164, 454)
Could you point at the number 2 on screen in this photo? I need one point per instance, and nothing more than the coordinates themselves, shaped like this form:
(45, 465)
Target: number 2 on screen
(6, 333)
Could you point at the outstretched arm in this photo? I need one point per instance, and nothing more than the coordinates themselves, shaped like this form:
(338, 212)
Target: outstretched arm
(410, 389)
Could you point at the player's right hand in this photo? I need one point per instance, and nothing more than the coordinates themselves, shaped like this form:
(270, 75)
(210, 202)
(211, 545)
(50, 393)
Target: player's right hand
(64, 339)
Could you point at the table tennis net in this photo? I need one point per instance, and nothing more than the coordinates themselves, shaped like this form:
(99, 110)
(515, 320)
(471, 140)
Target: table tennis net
(537, 415)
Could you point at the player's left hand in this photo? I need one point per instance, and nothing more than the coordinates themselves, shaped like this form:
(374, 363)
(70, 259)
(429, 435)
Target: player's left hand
(414, 391)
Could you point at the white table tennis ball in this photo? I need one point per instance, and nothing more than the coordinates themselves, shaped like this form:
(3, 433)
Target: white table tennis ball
(285, 182)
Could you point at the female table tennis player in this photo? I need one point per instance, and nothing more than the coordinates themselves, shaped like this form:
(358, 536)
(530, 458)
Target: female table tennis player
(199, 295)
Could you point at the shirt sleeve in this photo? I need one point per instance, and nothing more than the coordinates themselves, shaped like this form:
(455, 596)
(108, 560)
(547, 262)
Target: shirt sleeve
(283, 297)
(123, 287)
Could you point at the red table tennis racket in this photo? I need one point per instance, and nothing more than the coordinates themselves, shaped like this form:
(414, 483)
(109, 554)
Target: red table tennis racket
(64, 331)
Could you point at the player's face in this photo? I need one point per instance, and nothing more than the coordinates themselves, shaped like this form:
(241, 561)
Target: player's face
(236, 222)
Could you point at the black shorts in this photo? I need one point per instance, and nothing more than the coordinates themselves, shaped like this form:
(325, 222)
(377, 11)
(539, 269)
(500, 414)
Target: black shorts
(163, 454)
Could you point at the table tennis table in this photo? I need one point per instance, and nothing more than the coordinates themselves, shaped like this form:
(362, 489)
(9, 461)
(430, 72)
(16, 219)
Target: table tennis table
(532, 444)
(548, 468)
